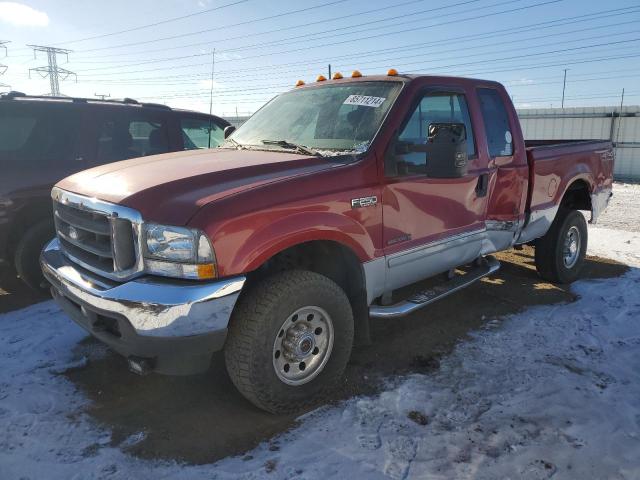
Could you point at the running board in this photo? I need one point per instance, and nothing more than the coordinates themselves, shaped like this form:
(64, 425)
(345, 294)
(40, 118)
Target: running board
(422, 299)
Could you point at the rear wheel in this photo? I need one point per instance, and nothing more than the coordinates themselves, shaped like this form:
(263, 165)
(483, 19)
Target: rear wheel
(289, 340)
(560, 253)
(27, 255)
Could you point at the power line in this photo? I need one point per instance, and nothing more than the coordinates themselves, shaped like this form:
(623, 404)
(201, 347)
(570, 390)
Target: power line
(52, 70)
(350, 28)
(501, 50)
(155, 24)
(254, 34)
(246, 22)
(537, 26)
(315, 34)
(547, 2)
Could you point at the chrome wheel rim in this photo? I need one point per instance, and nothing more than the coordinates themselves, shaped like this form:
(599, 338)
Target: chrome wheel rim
(303, 345)
(572, 244)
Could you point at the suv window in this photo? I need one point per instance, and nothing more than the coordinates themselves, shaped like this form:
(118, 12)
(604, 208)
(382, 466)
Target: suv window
(496, 123)
(434, 108)
(122, 137)
(32, 134)
(195, 133)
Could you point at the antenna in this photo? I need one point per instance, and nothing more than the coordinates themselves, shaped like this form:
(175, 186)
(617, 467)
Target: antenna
(52, 70)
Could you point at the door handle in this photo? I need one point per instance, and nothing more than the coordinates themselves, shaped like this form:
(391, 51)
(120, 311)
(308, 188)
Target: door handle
(482, 185)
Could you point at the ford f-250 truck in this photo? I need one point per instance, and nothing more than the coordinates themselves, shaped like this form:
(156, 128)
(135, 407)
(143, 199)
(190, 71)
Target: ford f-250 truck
(280, 246)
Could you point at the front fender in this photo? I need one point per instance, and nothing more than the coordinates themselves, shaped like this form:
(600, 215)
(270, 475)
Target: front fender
(247, 249)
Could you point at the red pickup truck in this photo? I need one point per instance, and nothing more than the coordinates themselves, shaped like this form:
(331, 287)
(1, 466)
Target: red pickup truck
(280, 246)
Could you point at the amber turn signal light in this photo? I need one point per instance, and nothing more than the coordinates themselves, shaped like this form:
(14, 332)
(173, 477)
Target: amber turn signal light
(321, 78)
(299, 83)
(355, 74)
(206, 271)
(337, 76)
(392, 72)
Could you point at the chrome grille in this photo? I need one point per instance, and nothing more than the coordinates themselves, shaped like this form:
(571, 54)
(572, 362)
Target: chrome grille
(97, 235)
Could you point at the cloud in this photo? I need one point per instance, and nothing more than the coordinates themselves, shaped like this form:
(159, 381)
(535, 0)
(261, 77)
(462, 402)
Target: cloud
(22, 15)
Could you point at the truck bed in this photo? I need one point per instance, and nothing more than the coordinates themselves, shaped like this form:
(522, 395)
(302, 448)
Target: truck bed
(553, 164)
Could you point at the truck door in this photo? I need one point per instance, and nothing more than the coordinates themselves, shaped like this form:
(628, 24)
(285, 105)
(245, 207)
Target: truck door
(507, 162)
(431, 224)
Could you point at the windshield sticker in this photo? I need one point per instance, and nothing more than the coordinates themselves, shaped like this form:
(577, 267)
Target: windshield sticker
(364, 101)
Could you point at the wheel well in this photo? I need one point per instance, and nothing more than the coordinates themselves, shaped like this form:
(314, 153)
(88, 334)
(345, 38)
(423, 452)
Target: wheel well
(29, 216)
(577, 196)
(333, 260)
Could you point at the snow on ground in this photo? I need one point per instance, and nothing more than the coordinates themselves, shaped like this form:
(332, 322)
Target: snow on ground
(551, 392)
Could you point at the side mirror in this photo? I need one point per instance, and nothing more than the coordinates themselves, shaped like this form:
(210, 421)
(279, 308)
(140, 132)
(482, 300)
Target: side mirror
(228, 130)
(446, 150)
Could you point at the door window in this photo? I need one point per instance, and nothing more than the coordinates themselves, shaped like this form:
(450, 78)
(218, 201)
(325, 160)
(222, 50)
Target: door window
(200, 133)
(433, 108)
(496, 123)
(122, 137)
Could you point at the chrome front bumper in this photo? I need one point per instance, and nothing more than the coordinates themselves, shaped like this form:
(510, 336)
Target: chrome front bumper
(149, 311)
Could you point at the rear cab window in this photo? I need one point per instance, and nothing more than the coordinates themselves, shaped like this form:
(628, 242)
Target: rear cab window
(496, 123)
(200, 132)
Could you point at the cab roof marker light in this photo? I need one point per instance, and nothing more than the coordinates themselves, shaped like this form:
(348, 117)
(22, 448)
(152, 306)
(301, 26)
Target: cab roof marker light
(356, 74)
(321, 78)
(337, 76)
(299, 83)
(392, 72)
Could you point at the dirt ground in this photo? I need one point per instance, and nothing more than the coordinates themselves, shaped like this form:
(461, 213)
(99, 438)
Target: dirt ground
(200, 419)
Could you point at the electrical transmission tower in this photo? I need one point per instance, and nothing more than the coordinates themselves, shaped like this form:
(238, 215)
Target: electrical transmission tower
(3, 68)
(52, 70)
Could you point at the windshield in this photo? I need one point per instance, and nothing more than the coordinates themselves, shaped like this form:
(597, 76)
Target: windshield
(331, 120)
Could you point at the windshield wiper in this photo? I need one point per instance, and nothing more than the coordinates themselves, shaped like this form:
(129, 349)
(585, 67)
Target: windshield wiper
(235, 143)
(292, 146)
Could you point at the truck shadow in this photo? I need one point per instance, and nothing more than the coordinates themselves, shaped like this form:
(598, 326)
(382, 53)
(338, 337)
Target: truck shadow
(201, 419)
(14, 294)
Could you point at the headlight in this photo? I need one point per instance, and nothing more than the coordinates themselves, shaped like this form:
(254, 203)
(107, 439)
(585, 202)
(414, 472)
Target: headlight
(178, 252)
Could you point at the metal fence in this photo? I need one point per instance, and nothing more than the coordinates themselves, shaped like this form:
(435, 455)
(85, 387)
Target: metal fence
(608, 123)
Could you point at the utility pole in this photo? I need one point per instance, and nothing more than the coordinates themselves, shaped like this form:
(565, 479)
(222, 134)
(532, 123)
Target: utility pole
(102, 96)
(619, 118)
(213, 67)
(52, 70)
(3, 67)
(564, 85)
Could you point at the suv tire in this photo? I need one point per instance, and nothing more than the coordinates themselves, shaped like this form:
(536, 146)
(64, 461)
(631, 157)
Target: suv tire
(289, 341)
(560, 253)
(27, 255)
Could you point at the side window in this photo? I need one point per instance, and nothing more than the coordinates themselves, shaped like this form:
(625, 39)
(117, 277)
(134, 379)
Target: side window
(496, 123)
(33, 134)
(434, 108)
(121, 137)
(195, 133)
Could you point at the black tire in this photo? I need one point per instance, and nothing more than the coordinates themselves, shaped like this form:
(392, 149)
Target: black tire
(550, 249)
(256, 322)
(27, 254)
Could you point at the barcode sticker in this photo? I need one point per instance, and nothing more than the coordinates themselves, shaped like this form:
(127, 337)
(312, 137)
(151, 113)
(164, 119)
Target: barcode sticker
(364, 101)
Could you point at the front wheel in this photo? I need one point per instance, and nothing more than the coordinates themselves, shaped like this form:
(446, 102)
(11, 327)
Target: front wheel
(289, 341)
(560, 253)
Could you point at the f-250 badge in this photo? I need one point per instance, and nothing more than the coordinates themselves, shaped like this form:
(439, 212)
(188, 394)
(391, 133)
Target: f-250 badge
(364, 202)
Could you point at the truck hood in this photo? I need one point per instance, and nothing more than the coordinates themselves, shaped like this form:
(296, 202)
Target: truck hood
(170, 188)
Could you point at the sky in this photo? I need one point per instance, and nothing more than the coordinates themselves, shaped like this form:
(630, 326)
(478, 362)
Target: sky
(162, 51)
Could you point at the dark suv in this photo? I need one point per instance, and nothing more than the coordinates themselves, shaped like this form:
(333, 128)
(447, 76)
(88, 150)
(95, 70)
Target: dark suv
(44, 139)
